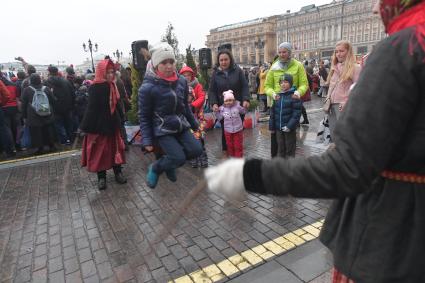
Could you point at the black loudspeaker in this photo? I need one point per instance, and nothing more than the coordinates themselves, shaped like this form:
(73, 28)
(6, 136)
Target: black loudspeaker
(227, 46)
(205, 58)
(140, 58)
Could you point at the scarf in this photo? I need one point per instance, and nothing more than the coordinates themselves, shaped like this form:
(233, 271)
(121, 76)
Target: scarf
(413, 17)
(391, 9)
(193, 83)
(172, 78)
(100, 78)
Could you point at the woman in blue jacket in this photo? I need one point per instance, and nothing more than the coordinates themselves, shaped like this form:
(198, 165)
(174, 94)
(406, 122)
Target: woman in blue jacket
(165, 116)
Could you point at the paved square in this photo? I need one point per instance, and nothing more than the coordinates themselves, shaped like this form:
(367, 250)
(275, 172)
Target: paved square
(56, 226)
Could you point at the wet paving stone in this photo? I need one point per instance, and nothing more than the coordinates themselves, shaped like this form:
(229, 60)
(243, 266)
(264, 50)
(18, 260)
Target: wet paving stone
(56, 229)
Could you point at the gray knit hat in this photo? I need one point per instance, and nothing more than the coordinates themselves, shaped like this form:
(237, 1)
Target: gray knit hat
(286, 45)
(160, 52)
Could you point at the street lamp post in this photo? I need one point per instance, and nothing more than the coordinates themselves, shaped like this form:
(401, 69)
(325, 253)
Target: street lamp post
(91, 49)
(117, 55)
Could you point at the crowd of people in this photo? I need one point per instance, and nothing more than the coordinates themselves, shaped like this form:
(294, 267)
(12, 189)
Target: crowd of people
(23, 128)
(40, 113)
(375, 169)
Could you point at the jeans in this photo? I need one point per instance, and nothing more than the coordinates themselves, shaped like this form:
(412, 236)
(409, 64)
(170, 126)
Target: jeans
(333, 116)
(5, 138)
(13, 123)
(273, 145)
(64, 126)
(286, 143)
(177, 148)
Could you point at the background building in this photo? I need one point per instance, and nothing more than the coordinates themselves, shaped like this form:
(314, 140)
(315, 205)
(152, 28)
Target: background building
(253, 42)
(313, 31)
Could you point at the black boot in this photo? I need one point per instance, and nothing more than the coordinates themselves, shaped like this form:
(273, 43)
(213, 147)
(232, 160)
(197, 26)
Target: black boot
(119, 177)
(101, 180)
(305, 118)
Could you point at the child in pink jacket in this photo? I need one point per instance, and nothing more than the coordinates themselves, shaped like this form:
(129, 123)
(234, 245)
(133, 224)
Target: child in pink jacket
(231, 112)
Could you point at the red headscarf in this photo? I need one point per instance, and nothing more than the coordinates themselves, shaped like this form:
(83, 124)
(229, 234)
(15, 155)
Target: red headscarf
(401, 14)
(391, 9)
(100, 77)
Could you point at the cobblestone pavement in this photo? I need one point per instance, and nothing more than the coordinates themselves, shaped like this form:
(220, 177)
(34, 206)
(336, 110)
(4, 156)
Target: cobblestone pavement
(56, 226)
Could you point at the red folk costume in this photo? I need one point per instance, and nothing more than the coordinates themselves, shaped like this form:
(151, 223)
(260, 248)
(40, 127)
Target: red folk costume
(101, 152)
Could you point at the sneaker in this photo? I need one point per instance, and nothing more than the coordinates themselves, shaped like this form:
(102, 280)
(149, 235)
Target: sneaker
(204, 160)
(101, 184)
(305, 122)
(194, 163)
(120, 179)
(171, 175)
(151, 178)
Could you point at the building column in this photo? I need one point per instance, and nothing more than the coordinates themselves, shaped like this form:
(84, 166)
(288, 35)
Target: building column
(240, 54)
(339, 32)
(320, 34)
(257, 55)
(214, 55)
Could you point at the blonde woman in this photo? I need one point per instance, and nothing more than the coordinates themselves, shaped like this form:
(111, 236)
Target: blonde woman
(343, 74)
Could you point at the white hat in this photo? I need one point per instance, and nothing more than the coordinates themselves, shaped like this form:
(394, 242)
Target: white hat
(160, 52)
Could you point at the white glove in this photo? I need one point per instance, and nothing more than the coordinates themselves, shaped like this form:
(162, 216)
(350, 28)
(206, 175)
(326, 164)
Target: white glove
(274, 95)
(226, 179)
(296, 93)
(286, 129)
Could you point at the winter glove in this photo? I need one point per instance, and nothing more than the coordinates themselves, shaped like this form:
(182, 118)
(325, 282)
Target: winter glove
(286, 129)
(226, 179)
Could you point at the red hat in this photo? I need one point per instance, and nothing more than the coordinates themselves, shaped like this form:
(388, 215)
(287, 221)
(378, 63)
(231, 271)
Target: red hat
(187, 69)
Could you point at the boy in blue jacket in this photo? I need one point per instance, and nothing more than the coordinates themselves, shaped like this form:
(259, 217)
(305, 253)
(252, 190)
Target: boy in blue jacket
(284, 117)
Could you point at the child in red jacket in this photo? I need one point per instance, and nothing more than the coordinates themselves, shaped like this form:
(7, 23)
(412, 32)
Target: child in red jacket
(196, 100)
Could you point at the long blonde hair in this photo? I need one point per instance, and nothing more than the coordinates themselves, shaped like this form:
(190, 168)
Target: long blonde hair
(349, 63)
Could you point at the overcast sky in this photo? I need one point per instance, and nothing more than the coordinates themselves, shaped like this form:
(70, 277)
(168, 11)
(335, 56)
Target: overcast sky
(48, 31)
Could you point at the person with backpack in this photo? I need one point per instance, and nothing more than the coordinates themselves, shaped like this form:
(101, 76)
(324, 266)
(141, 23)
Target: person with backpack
(63, 104)
(37, 112)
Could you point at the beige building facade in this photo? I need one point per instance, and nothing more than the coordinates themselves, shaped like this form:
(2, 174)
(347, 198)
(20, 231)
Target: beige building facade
(253, 42)
(313, 32)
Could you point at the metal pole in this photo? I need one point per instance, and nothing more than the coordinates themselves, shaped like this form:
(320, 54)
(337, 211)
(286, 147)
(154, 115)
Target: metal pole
(92, 63)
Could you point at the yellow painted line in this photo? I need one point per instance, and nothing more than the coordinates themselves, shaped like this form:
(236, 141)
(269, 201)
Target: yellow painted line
(39, 156)
(254, 256)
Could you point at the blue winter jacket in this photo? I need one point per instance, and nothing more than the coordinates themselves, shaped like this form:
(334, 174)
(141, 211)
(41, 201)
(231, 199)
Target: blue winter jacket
(285, 112)
(163, 108)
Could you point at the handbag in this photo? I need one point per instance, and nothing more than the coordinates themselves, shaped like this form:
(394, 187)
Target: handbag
(327, 104)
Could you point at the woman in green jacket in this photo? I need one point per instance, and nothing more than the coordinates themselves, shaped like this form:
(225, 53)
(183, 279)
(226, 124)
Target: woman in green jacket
(285, 65)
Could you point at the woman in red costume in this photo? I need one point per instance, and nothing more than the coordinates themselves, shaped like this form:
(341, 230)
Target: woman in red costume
(103, 146)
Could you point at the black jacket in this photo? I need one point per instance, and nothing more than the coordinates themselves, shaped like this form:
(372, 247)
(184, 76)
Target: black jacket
(28, 113)
(98, 118)
(376, 226)
(63, 94)
(234, 80)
